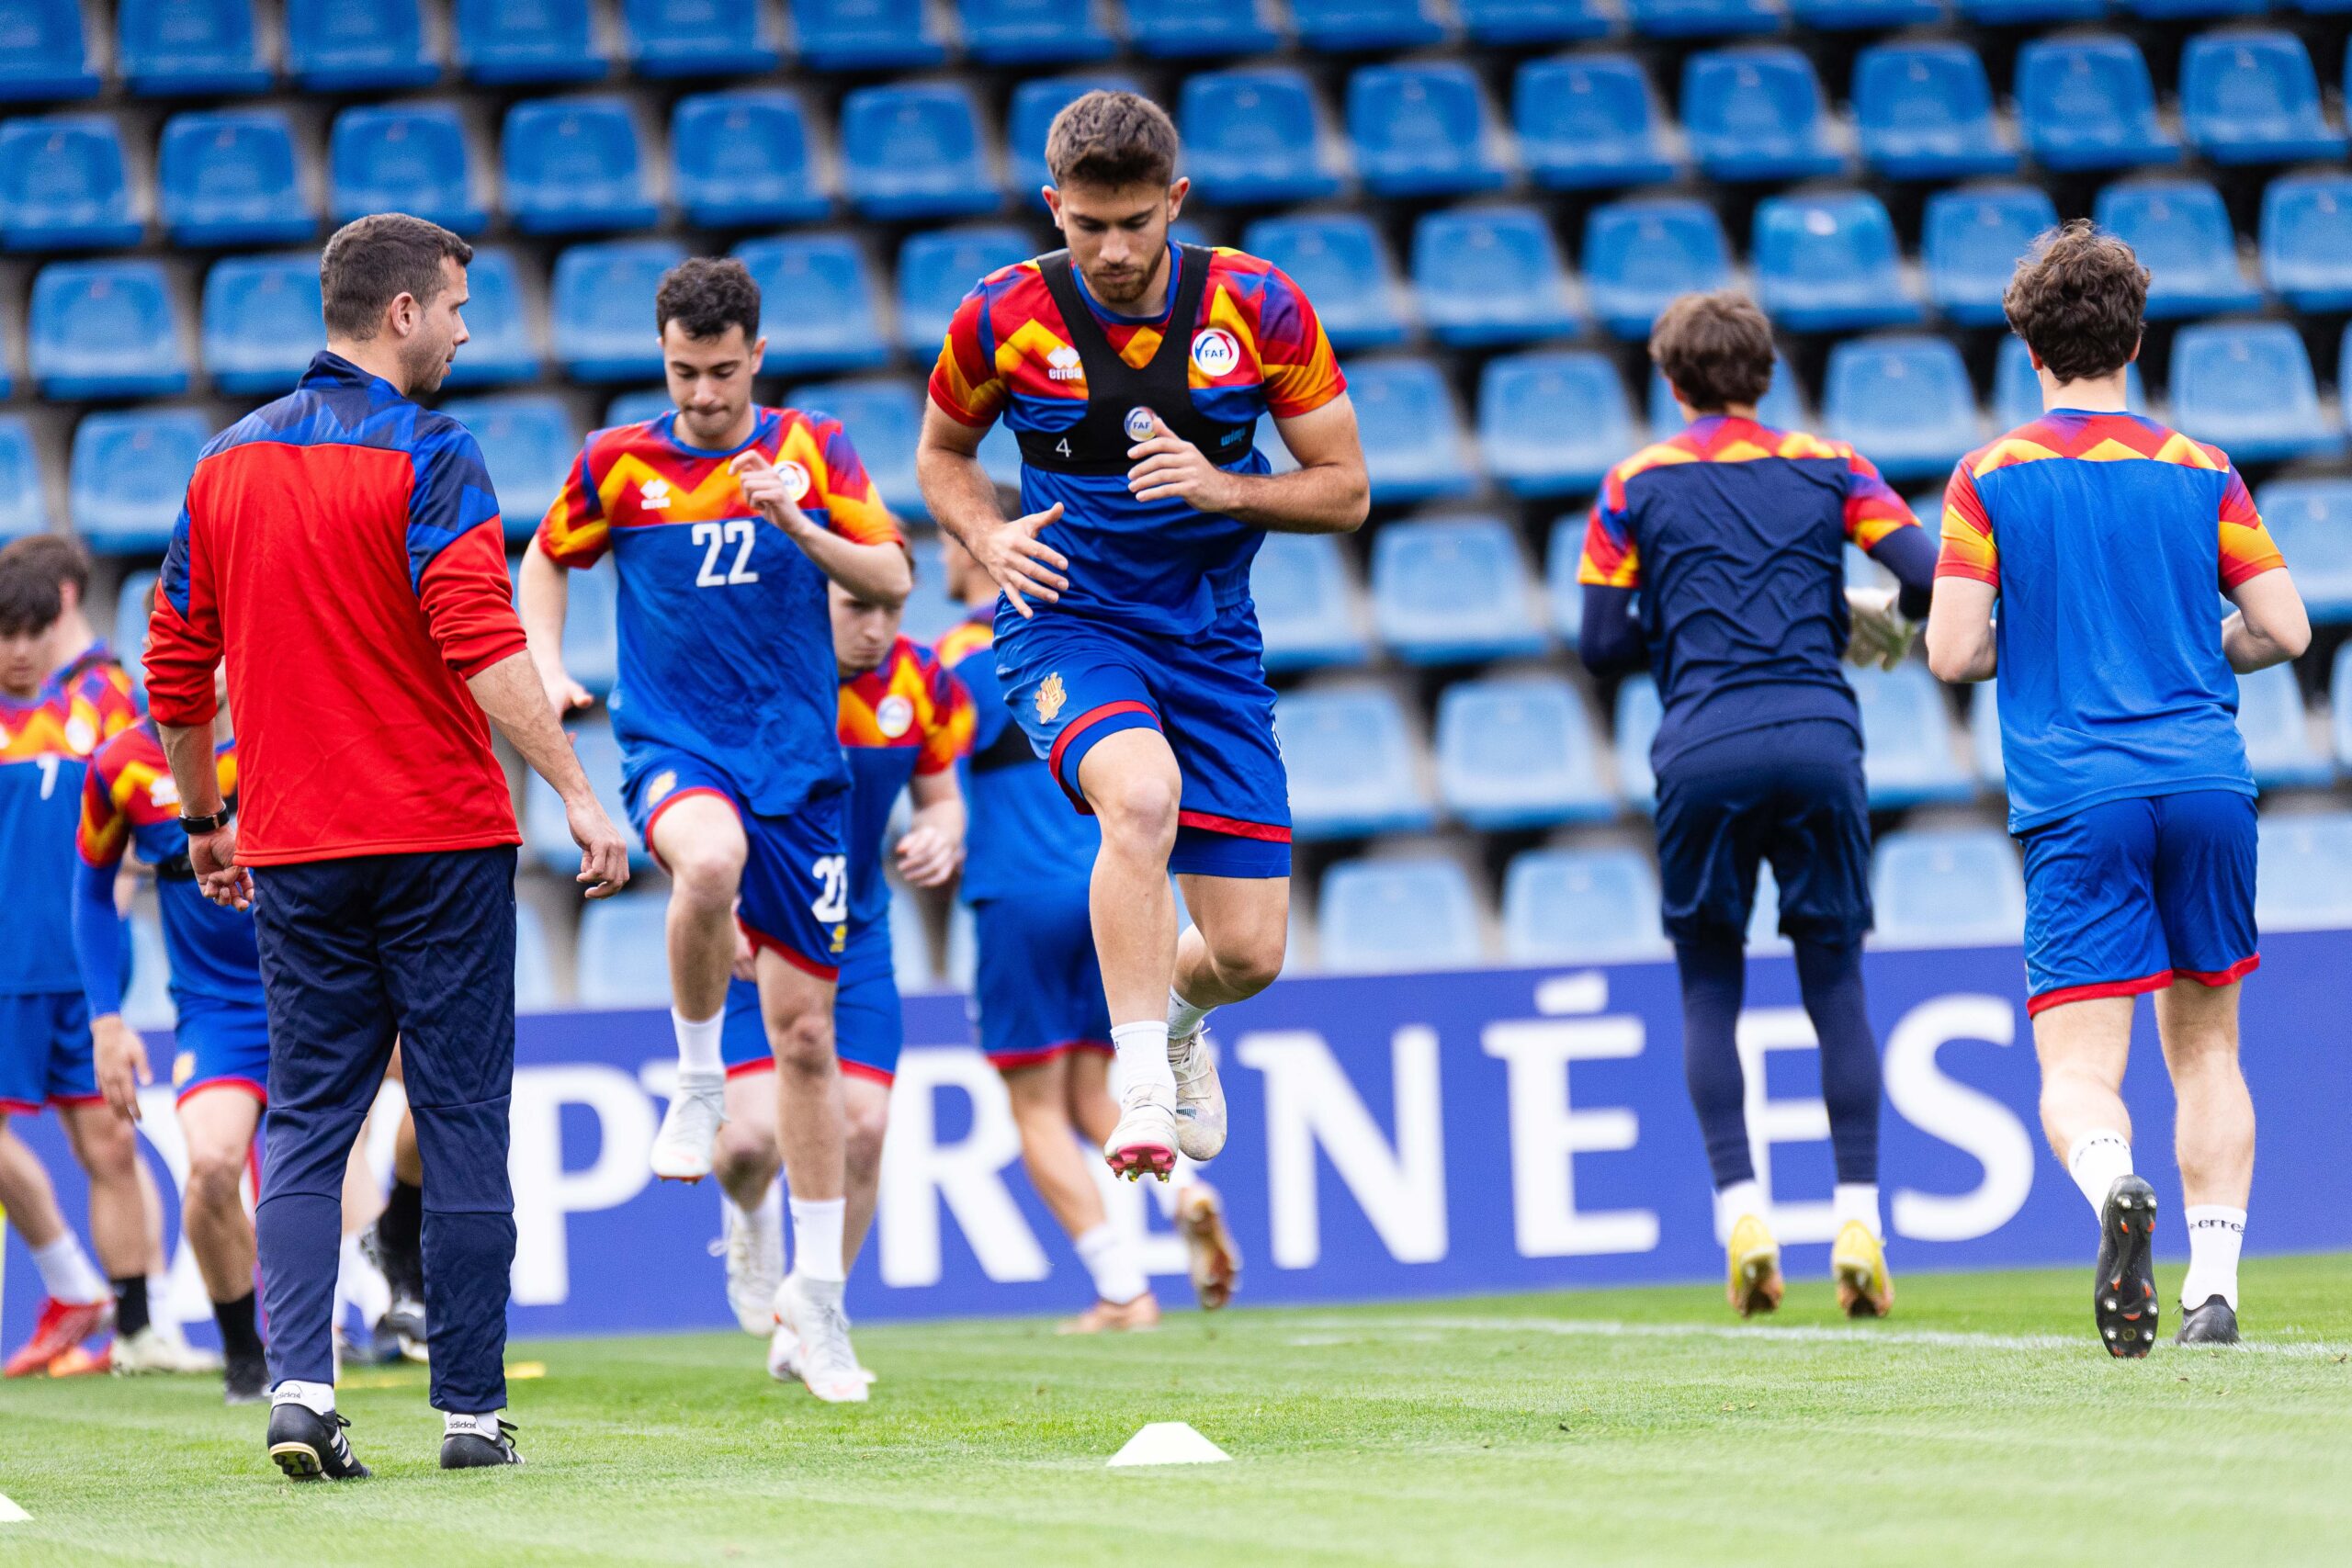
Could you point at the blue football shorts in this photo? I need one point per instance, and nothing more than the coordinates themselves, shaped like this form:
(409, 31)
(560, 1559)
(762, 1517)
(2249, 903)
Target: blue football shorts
(1038, 991)
(1792, 794)
(868, 1030)
(221, 1043)
(45, 1052)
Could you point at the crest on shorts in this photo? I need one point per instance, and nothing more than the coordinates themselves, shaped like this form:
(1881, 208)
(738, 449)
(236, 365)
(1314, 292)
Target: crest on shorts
(1216, 352)
(663, 782)
(1138, 425)
(1050, 698)
(894, 716)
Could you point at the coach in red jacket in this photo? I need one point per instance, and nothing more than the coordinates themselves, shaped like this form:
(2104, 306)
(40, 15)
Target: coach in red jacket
(341, 549)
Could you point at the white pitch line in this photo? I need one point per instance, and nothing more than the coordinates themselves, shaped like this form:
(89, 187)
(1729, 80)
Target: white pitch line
(12, 1514)
(1795, 1334)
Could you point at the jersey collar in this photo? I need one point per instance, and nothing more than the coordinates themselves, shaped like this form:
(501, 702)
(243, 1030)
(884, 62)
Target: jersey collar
(763, 424)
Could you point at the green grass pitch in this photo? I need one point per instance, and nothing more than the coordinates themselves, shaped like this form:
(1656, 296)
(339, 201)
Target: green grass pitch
(1981, 1424)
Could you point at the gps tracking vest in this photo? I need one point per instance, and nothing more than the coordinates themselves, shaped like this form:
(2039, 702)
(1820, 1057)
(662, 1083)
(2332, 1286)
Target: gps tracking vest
(1118, 392)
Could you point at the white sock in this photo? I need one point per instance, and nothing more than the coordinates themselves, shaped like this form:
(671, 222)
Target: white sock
(66, 1272)
(480, 1426)
(1118, 1272)
(315, 1396)
(2215, 1234)
(1735, 1201)
(1182, 1016)
(2095, 1162)
(1857, 1200)
(1142, 1051)
(816, 1238)
(698, 1044)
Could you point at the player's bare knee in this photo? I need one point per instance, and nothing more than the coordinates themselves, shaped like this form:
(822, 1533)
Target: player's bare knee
(1140, 812)
(706, 875)
(862, 1146)
(1249, 961)
(214, 1176)
(743, 1151)
(803, 1045)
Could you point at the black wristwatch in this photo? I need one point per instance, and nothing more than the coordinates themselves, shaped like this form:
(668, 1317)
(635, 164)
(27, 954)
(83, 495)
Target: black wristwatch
(196, 826)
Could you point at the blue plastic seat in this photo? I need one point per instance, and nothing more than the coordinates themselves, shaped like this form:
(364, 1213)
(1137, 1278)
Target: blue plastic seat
(1035, 101)
(1250, 137)
(529, 443)
(2304, 877)
(2247, 387)
(1519, 751)
(1342, 263)
(866, 35)
(188, 48)
(1907, 758)
(504, 42)
(599, 309)
(127, 474)
(2017, 390)
(696, 38)
(1639, 254)
(130, 617)
(1452, 590)
(883, 417)
(937, 269)
(2086, 103)
(1562, 594)
(2307, 240)
(2279, 746)
(501, 348)
(1350, 757)
(534, 961)
(2312, 522)
(1756, 113)
(1191, 29)
(1985, 736)
(1305, 608)
(105, 329)
(1534, 21)
(230, 178)
(48, 57)
(1904, 403)
(2252, 97)
(345, 46)
(1422, 131)
(1782, 407)
(2010, 13)
(1033, 32)
(1411, 431)
(743, 158)
(1926, 113)
(1340, 26)
(574, 166)
(621, 963)
(931, 614)
(1705, 18)
(1636, 726)
(1586, 122)
(2340, 707)
(1854, 15)
(834, 324)
(410, 158)
(1970, 241)
(635, 408)
(62, 185)
(1490, 274)
(1387, 917)
(24, 495)
(915, 152)
(1829, 263)
(591, 627)
(2182, 234)
(1581, 907)
(1947, 887)
(262, 323)
(1554, 424)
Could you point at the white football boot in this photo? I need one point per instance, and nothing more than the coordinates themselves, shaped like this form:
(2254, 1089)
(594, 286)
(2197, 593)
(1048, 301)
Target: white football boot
(811, 1315)
(689, 1129)
(753, 1246)
(1200, 1098)
(1144, 1143)
(156, 1349)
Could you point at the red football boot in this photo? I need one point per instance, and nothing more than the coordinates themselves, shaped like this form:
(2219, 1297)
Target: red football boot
(63, 1326)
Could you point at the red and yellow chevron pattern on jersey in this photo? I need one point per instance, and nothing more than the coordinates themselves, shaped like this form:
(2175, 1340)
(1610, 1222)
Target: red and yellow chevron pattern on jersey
(909, 700)
(131, 789)
(79, 709)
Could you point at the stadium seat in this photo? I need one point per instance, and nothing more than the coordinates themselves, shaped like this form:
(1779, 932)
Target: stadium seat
(1782, 407)
(1639, 254)
(529, 443)
(1907, 739)
(506, 42)
(230, 178)
(741, 158)
(128, 472)
(2173, 10)
(1490, 274)
(1985, 736)
(1191, 29)
(2017, 390)
(1705, 18)
(1829, 263)
(534, 961)
(1756, 113)
(1554, 424)
(2086, 103)
(1343, 27)
(1412, 436)
(696, 38)
(1589, 120)
(2307, 240)
(1350, 758)
(866, 35)
(48, 57)
(2010, 13)
(930, 613)
(883, 417)
(1033, 32)
(1396, 916)
(105, 329)
(1947, 887)
(1562, 594)
(2340, 705)
(1343, 265)
(1251, 138)
(1925, 111)
(1857, 15)
(1635, 726)
(915, 152)
(24, 495)
(2252, 97)
(2303, 880)
(1452, 590)
(1581, 907)
(261, 323)
(412, 158)
(130, 621)
(1422, 131)
(349, 46)
(501, 348)
(1035, 101)
(621, 961)
(1970, 240)
(1519, 751)
(834, 324)
(2279, 745)
(573, 166)
(2182, 234)
(598, 307)
(635, 408)
(1534, 21)
(1306, 610)
(2247, 387)
(591, 631)
(188, 48)
(1904, 403)
(2312, 522)
(62, 185)
(937, 269)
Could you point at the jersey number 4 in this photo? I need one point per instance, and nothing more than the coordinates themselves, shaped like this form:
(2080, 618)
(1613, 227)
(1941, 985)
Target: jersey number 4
(714, 537)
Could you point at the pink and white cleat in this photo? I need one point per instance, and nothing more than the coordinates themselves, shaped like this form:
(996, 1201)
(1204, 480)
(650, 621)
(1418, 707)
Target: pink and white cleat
(1144, 1143)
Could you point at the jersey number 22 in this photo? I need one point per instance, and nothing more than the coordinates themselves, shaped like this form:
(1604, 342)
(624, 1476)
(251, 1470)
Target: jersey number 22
(714, 537)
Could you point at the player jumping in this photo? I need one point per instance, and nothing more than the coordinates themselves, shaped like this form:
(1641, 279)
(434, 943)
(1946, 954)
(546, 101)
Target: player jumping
(1133, 371)
(726, 520)
(2103, 537)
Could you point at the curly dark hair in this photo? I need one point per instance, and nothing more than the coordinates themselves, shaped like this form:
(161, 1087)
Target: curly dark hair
(2077, 298)
(1716, 349)
(1112, 139)
(705, 295)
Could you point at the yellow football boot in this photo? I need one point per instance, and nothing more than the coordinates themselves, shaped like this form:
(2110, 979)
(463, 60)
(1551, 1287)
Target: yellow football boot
(1754, 1283)
(1858, 1265)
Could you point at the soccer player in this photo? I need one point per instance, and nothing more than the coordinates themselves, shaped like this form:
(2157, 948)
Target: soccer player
(1716, 558)
(2104, 538)
(726, 521)
(1133, 371)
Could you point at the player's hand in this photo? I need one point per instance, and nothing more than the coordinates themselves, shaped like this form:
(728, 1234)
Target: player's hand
(213, 857)
(747, 961)
(1881, 633)
(1020, 563)
(927, 857)
(565, 695)
(122, 1060)
(1168, 468)
(763, 485)
(603, 854)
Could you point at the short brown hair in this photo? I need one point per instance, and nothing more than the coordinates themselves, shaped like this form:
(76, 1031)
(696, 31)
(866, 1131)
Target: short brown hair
(1112, 139)
(705, 295)
(371, 262)
(1717, 349)
(34, 571)
(2077, 298)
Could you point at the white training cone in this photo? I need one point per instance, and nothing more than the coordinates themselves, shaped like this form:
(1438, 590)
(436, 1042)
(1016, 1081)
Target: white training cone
(1169, 1442)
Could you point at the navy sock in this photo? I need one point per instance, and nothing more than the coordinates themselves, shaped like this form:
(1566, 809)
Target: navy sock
(1714, 974)
(239, 1337)
(1830, 976)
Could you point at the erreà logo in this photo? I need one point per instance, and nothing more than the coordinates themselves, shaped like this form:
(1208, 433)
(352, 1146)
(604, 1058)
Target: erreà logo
(1062, 365)
(1216, 352)
(654, 494)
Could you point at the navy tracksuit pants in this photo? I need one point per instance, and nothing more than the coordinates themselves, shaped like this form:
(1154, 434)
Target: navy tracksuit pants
(354, 954)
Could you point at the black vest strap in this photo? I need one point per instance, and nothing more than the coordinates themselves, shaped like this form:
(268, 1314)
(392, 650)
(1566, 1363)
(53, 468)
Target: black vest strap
(1009, 749)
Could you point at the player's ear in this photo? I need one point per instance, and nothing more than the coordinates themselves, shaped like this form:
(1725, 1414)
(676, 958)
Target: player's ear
(1178, 190)
(1053, 201)
(759, 352)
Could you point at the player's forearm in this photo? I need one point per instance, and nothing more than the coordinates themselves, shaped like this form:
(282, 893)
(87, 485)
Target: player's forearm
(2249, 648)
(189, 749)
(958, 491)
(944, 816)
(1610, 639)
(512, 697)
(2270, 625)
(97, 939)
(543, 597)
(1961, 645)
(878, 574)
(1323, 498)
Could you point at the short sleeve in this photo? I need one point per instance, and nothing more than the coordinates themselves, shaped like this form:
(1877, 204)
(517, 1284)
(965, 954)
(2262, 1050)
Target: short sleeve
(1968, 548)
(964, 385)
(2247, 549)
(1873, 509)
(574, 532)
(1610, 559)
(951, 721)
(853, 506)
(1295, 355)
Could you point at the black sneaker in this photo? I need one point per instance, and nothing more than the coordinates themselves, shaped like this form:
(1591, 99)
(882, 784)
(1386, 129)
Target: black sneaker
(2215, 1322)
(2123, 1297)
(401, 1329)
(245, 1379)
(308, 1446)
(472, 1450)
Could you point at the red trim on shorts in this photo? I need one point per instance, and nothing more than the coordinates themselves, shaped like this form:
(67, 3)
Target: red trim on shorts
(761, 1065)
(792, 956)
(1014, 1061)
(2097, 988)
(243, 1086)
(2220, 977)
(654, 816)
(1234, 825)
(72, 1099)
(20, 1108)
(860, 1070)
(1087, 721)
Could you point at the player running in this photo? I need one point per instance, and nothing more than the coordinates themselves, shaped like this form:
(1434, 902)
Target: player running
(1133, 371)
(726, 520)
(1717, 559)
(2104, 536)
